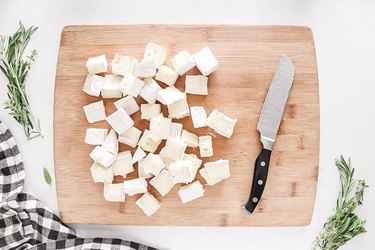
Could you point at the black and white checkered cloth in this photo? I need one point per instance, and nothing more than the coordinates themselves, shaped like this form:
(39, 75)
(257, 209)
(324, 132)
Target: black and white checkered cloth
(25, 223)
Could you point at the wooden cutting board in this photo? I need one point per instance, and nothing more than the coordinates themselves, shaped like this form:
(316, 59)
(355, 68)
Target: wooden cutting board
(248, 56)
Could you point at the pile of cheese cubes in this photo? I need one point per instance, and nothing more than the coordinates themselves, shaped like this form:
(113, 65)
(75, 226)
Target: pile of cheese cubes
(130, 79)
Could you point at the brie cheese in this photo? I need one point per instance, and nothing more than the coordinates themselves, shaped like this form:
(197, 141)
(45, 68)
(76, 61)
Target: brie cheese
(145, 69)
(95, 136)
(97, 65)
(160, 127)
(181, 171)
(123, 164)
(120, 121)
(190, 139)
(95, 112)
(191, 191)
(101, 174)
(111, 143)
(151, 164)
(199, 116)
(167, 75)
(112, 86)
(148, 203)
(163, 182)
(93, 85)
(210, 181)
(150, 91)
(114, 192)
(128, 103)
(130, 137)
(169, 95)
(179, 109)
(123, 64)
(183, 62)
(205, 146)
(221, 123)
(205, 61)
(148, 144)
(131, 85)
(135, 186)
(174, 149)
(149, 111)
(156, 53)
(102, 156)
(141, 172)
(138, 155)
(195, 163)
(196, 85)
(175, 130)
(217, 169)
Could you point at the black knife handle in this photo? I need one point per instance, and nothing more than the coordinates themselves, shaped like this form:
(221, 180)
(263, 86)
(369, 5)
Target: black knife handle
(259, 180)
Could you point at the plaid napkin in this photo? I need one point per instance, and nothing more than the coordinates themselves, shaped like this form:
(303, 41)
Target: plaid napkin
(25, 223)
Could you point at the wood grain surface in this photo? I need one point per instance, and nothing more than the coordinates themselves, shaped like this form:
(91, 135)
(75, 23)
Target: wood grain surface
(248, 56)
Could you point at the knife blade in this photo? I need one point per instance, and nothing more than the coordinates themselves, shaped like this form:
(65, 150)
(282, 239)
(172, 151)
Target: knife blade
(268, 126)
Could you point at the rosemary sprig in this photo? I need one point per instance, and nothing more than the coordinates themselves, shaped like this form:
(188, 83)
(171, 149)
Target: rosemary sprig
(344, 224)
(16, 68)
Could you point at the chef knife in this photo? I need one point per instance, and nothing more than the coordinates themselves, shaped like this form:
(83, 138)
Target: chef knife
(268, 126)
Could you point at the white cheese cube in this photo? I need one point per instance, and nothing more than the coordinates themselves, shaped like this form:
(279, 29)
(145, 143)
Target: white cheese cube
(169, 95)
(95, 136)
(196, 85)
(145, 69)
(181, 171)
(148, 203)
(150, 91)
(195, 162)
(218, 169)
(190, 139)
(199, 116)
(141, 172)
(166, 161)
(114, 192)
(95, 112)
(167, 75)
(150, 110)
(151, 164)
(123, 164)
(111, 143)
(130, 137)
(221, 123)
(120, 121)
(112, 86)
(175, 130)
(97, 65)
(183, 62)
(160, 127)
(179, 109)
(205, 146)
(128, 103)
(93, 85)
(156, 53)
(123, 64)
(191, 191)
(135, 186)
(163, 182)
(100, 173)
(174, 149)
(148, 144)
(102, 156)
(205, 61)
(131, 85)
(138, 155)
(210, 181)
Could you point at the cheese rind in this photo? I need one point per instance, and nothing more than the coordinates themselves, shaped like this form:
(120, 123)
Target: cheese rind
(151, 164)
(210, 181)
(130, 137)
(190, 139)
(97, 65)
(135, 186)
(149, 111)
(160, 127)
(221, 123)
(205, 61)
(131, 85)
(138, 155)
(198, 116)
(112, 86)
(102, 156)
(95, 112)
(128, 103)
(218, 169)
(205, 146)
(196, 85)
(162, 182)
(179, 109)
(155, 52)
(148, 144)
(141, 172)
(111, 143)
(123, 164)
(123, 64)
(183, 62)
(150, 90)
(167, 75)
(174, 149)
(181, 171)
(195, 163)
(120, 121)
(191, 191)
(93, 85)
(113, 192)
(175, 130)
(95, 136)
(148, 203)
(170, 95)
(99, 173)
(145, 69)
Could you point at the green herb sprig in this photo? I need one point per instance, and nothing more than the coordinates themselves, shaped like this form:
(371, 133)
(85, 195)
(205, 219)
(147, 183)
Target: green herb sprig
(47, 176)
(16, 68)
(344, 224)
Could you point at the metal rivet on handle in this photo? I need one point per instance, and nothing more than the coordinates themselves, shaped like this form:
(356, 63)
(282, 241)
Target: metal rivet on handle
(255, 199)
(260, 182)
(263, 163)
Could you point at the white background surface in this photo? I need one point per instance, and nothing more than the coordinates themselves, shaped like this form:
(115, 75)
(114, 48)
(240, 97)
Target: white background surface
(345, 44)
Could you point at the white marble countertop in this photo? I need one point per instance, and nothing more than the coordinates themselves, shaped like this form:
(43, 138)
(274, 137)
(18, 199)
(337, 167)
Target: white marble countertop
(345, 44)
